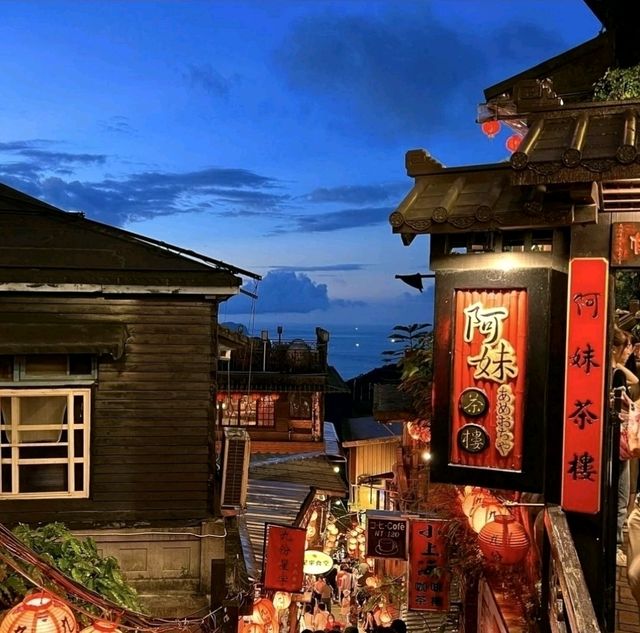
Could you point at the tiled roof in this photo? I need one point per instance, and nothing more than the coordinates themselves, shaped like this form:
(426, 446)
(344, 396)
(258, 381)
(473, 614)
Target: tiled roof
(584, 143)
(482, 198)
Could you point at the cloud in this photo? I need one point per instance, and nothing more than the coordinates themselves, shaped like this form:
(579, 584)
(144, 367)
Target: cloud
(336, 220)
(399, 73)
(315, 269)
(118, 125)
(44, 173)
(207, 78)
(356, 194)
(287, 291)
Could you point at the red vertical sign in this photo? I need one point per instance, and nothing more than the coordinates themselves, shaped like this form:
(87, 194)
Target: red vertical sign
(584, 384)
(489, 378)
(429, 578)
(284, 558)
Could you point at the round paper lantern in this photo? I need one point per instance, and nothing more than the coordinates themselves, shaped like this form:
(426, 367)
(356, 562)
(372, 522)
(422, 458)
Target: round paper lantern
(253, 627)
(490, 128)
(39, 613)
(373, 582)
(513, 142)
(102, 626)
(311, 531)
(263, 611)
(503, 540)
(385, 616)
(281, 600)
(472, 500)
(483, 513)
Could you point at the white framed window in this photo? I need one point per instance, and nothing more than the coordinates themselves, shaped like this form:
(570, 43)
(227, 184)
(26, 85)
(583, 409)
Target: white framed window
(44, 442)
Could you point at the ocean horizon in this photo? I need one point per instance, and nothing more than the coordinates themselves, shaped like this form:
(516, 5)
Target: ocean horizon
(353, 349)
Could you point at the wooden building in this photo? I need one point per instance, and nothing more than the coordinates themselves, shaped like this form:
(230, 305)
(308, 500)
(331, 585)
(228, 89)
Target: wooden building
(107, 365)
(523, 244)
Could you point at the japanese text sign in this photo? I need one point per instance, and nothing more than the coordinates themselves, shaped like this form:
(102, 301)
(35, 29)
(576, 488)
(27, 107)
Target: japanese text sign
(625, 245)
(386, 535)
(489, 360)
(584, 384)
(284, 558)
(429, 578)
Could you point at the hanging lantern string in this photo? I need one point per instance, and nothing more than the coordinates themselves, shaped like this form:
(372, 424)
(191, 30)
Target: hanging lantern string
(127, 618)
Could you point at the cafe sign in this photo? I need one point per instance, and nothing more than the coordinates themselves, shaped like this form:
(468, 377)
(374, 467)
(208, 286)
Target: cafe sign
(387, 535)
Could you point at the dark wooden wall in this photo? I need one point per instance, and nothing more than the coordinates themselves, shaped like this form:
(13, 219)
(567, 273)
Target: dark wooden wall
(151, 412)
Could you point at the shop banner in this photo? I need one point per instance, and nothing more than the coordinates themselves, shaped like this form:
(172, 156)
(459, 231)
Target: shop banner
(586, 367)
(284, 558)
(489, 378)
(429, 576)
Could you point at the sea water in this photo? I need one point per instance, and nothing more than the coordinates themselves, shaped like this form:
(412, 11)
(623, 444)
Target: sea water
(353, 349)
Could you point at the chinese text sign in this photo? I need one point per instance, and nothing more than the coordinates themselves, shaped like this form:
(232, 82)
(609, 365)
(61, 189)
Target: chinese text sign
(284, 558)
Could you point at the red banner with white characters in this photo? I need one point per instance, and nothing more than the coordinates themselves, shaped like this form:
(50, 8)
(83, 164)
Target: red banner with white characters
(284, 558)
(429, 577)
(584, 384)
(489, 378)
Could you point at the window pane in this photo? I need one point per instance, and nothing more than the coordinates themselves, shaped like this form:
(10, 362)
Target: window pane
(80, 364)
(265, 413)
(32, 411)
(247, 411)
(6, 367)
(43, 478)
(45, 365)
(6, 478)
(300, 406)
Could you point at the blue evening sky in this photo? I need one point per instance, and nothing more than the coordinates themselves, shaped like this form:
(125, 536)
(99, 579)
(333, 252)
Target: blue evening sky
(269, 133)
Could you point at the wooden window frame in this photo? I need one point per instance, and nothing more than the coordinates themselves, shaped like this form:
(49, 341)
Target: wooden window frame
(75, 455)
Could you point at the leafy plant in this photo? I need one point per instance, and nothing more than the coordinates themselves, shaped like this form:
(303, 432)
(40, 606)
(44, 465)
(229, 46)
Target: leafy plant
(414, 358)
(618, 84)
(76, 558)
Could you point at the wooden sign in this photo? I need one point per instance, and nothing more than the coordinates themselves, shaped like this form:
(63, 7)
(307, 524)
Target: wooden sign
(429, 577)
(489, 362)
(284, 557)
(584, 384)
(386, 535)
(625, 244)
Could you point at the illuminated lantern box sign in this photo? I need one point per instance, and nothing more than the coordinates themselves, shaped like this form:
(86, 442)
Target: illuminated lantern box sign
(489, 360)
(387, 535)
(429, 576)
(284, 558)
(584, 384)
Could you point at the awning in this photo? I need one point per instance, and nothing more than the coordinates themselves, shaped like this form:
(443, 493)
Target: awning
(62, 337)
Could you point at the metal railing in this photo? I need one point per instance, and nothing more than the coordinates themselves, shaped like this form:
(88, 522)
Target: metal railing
(295, 356)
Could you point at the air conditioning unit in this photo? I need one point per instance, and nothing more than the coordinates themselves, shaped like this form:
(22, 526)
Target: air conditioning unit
(235, 469)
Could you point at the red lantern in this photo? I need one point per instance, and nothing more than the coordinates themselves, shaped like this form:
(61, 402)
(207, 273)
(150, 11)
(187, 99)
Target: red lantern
(491, 127)
(513, 142)
(39, 613)
(503, 541)
(263, 611)
(102, 626)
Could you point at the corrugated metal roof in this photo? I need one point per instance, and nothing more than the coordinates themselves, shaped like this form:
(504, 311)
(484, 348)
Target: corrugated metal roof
(314, 471)
(366, 428)
(271, 501)
(331, 443)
